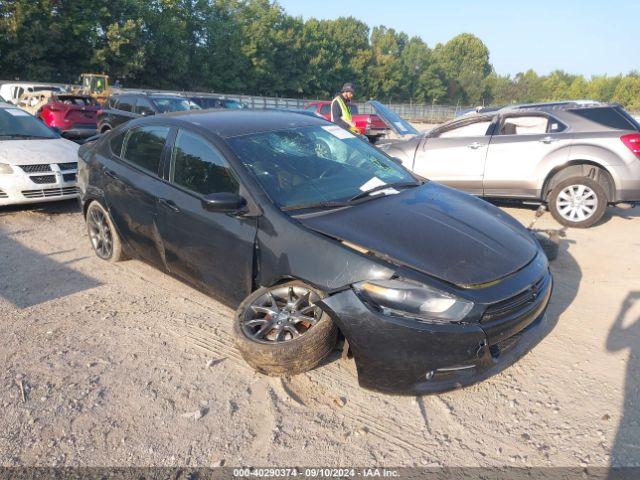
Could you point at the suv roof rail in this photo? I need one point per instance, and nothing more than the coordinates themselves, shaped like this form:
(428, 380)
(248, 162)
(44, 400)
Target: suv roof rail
(562, 105)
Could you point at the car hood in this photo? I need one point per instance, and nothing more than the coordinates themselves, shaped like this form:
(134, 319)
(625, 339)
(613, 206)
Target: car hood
(436, 230)
(34, 152)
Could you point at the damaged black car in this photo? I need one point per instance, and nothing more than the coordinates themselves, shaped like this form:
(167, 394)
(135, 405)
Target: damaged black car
(314, 235)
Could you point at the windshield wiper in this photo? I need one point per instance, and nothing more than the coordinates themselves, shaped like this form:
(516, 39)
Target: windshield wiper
(359, 198)
(366, 193)
(303, 206)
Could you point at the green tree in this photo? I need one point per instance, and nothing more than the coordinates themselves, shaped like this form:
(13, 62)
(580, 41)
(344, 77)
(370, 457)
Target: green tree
(465, 61)
(628, 92)
(386, 69)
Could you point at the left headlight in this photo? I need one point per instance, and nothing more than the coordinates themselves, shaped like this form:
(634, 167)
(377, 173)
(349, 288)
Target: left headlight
(411, 299)
(5, 168)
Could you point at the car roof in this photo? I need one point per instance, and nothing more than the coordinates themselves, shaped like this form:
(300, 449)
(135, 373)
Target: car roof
(233, 123)
(148, 94)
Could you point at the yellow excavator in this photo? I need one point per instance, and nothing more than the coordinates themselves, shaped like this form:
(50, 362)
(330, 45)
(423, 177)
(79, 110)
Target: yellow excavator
(95, 85)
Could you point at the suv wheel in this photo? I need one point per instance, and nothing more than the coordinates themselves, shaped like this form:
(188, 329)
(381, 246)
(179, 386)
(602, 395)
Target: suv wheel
(104, 237)
(280, 331)
(578, 202)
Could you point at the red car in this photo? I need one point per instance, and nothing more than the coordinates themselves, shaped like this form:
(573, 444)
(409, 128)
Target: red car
(76, 116)
(368, 124)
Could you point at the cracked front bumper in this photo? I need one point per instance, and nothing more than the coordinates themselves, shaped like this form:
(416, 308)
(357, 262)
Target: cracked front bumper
(405, 356)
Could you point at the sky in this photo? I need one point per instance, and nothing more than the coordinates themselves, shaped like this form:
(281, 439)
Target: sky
(589, 37)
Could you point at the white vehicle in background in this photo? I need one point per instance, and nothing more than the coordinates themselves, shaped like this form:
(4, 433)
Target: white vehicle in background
(36, 165)
(12, 92)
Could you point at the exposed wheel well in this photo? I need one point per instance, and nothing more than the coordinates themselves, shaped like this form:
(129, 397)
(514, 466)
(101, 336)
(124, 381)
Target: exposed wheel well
(580, 168)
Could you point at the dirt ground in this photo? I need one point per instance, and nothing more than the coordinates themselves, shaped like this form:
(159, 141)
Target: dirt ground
(119, 365)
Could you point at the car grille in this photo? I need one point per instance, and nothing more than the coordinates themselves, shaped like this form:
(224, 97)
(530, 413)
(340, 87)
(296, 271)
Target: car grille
(517, 304)
(3, 194)
(35, 168)
(68, 166)
(50, 192)
(40, 179)
(69, 177)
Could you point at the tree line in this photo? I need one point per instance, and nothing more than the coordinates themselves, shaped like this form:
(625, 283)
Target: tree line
(255, 47)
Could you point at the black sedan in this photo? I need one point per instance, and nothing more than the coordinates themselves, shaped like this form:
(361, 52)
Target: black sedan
(315, 235)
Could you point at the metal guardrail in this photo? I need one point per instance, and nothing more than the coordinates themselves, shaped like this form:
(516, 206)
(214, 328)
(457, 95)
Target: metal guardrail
(429, 113)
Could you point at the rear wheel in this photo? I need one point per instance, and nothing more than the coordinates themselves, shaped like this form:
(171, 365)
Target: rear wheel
(578, 202)
(280, 331)
(104, 237)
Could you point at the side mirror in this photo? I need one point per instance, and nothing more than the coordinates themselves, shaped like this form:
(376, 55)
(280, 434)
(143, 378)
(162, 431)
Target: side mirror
(223, 202)
(56, 130)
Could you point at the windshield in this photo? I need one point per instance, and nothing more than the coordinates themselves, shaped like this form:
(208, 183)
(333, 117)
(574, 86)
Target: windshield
(171, 104)
(315, 164)
(16, 124)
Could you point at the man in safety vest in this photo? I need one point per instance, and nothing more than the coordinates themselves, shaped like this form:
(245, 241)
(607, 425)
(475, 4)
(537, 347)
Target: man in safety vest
(340, 112)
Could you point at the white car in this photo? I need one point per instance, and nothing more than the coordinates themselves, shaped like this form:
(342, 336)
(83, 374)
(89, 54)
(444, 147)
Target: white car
(12, 92)
(36, 165)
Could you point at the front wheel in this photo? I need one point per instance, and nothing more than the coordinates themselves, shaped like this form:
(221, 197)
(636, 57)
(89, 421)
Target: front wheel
(104, 238)
(578, 202)
(280, 331)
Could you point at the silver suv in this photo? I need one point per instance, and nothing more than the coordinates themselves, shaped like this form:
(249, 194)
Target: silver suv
(576, 157)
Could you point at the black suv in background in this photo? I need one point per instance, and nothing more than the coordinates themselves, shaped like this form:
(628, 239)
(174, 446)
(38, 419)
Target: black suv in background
(211, 101)
(123, 107)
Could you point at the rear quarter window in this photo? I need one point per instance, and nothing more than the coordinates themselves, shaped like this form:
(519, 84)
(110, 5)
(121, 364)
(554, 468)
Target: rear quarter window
(607, 117)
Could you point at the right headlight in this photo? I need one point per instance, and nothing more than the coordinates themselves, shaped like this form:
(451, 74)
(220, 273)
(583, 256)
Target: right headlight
(411, 299)
(5, 168)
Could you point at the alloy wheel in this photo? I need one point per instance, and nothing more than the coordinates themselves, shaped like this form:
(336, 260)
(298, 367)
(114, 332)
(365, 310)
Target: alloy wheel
(281, 314)
(100, 233)
(577, 203)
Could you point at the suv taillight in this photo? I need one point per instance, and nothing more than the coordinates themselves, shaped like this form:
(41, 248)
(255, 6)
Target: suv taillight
(632, 141)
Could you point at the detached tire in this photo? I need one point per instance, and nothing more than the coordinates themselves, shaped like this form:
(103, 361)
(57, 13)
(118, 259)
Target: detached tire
(104, 237)
(280, 332)
(578, 202)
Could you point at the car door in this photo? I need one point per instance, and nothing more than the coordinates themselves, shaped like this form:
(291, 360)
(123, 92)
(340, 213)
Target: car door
(521, 142)
(456, 155)
(123, 112)
(131, 184)
(212, 250)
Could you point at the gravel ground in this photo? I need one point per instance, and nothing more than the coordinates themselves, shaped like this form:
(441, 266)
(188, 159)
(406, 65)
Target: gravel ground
(120, 365)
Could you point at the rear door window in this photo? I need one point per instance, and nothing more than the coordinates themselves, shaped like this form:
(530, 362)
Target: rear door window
(197, 166)
(144, 107)
(115, 143)
(144, 146)
(524, 125)
(125, 104)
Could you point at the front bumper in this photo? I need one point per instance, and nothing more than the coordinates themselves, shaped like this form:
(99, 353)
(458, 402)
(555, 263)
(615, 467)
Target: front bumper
(20, 188)
(404, 356)
(80, 132)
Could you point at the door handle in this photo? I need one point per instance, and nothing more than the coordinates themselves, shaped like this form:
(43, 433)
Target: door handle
(475, 145)
(547, 140)
(111, 174)
(169, 204)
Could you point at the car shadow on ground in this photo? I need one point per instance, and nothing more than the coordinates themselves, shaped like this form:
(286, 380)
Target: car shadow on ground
(30, 277)
(51, 208)
(627, 213)
(625, 335)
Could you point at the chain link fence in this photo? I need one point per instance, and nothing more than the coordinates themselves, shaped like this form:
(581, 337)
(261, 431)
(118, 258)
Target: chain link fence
(427, 113)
